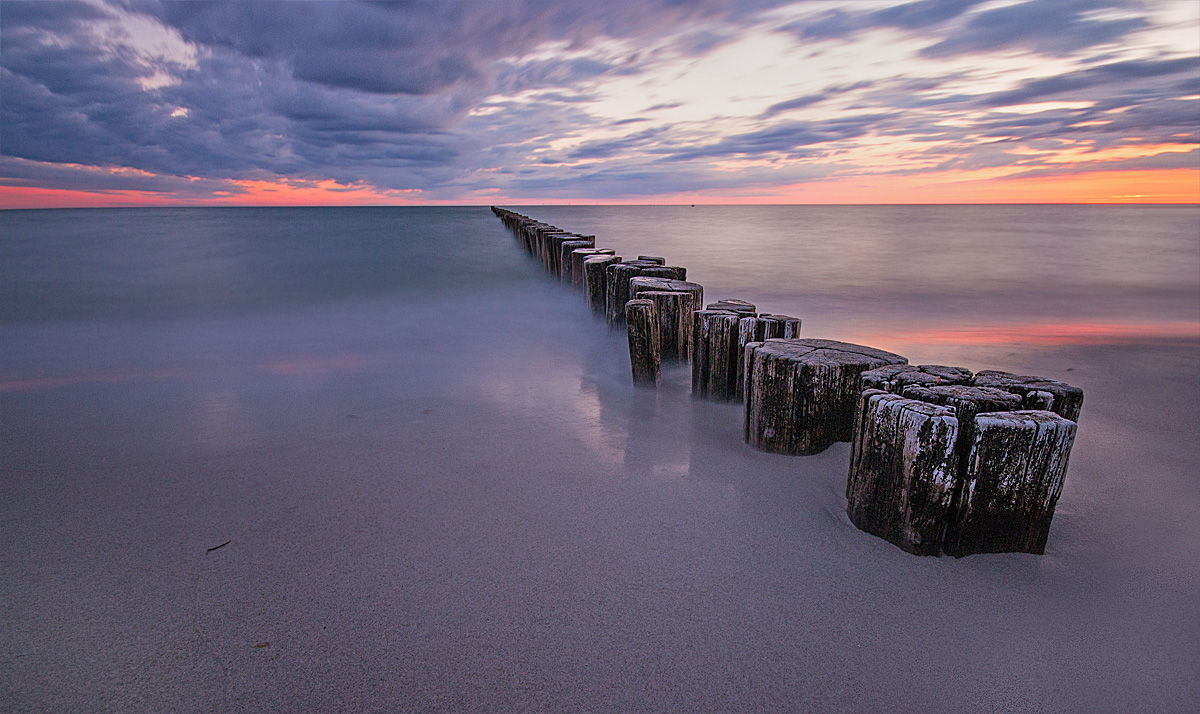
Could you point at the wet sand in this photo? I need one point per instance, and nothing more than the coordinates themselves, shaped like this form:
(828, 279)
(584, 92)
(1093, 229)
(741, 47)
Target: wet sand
(422, 522)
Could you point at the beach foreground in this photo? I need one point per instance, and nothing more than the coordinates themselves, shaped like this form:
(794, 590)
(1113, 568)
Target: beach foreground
(454, 500)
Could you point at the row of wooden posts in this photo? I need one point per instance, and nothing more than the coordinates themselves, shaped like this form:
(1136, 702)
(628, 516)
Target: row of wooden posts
(943, 461)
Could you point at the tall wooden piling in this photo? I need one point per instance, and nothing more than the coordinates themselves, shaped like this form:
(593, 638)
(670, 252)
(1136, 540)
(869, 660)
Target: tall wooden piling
(578, 256)
(565, 249)
(618, 277)
(645, 343)
(595, 281)
(714, 354)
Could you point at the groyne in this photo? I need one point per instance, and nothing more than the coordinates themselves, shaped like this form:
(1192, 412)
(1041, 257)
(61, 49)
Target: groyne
(943, 461)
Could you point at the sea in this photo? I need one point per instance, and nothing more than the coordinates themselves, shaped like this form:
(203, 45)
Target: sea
(376, 459)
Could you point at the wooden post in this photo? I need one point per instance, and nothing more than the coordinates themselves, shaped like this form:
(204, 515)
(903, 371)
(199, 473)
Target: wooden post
(578, 256)
(677, 337)
(903, 471)
(645, 356)
(653, 259)
(619, 275)
(743, 308)
(674, 311)
(564, 255)
(802, 394)
(595, 281)
(1037, 392)
(757, 329)
(895, 377)
(552, 250)
(714, 354)
(1015, 473)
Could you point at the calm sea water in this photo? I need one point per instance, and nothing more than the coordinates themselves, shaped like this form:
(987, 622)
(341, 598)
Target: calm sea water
(1108, 263)
(441, 492)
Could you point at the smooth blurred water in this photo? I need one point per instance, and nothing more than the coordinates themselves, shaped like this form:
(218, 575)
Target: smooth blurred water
(442, 493)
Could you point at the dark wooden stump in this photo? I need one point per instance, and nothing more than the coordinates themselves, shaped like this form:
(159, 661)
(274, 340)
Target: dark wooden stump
(645, 355)
(758, 329)
(652, 259)
(595, 281)
(802, 394)
(1015, 473)
(578, 256)
(741, 307)
(895, 377)
(674, 310)
(645, 283)
(554, 251)
(1037, 392)
(903, 471)
(618, 277)
(714, 354)
(677, 338)
(564, 255)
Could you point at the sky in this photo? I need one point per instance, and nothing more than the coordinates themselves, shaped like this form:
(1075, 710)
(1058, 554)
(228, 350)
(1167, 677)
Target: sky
(143, 102)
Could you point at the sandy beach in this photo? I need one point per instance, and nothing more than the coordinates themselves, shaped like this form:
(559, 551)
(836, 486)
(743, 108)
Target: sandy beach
(460, 503)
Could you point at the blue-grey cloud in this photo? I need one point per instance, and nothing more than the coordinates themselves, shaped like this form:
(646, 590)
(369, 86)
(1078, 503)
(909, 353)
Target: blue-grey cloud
(814, 98)
(1053, 27)
(450, 97)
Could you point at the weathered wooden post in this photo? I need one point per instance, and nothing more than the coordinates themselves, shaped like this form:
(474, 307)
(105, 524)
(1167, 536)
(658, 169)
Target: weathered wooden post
(903, 471)
(895, 377)
(674, 313)
(565, 249)
(1015, 473)
(553, 249)
(802, 394)
(578, 256)
(1037, 392)
(645, 356)
(595, 281)
(743, 308)
(758, 329)
(714, 354)
(653, 259)
(619, 275)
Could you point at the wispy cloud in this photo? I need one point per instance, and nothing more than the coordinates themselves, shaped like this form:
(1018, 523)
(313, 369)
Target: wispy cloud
(573, 99)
